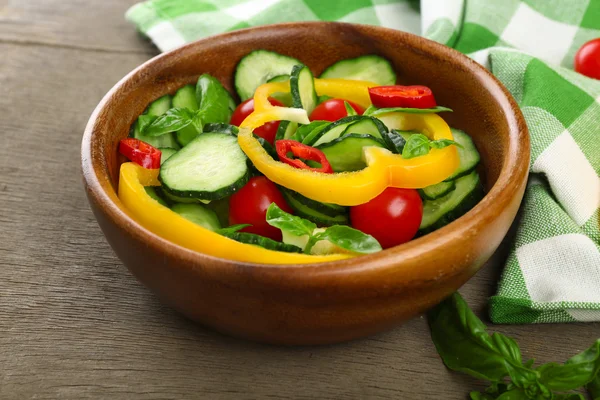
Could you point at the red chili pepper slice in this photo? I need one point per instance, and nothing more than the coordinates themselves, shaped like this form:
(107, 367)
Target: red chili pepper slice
(140, 153)
(303, 151)
(402, 96)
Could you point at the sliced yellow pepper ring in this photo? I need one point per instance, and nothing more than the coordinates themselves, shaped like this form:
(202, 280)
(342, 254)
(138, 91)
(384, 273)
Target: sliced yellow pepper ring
(171, 226)
(383, 170)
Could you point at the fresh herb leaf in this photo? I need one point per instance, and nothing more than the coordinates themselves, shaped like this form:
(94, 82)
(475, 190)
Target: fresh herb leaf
(441, 143)
(571, 396)
(145, 120)
(213, 100)
(323, 98)
(380, 111)
(349, 109)
(575, 373)
(173, 120)
(394, 141)
(197, 121)
(594, 388)
(290, 223)
(304, 131)
(350, 239)
(513, 394)
(417, 145)
(370, 110)
(232, 229)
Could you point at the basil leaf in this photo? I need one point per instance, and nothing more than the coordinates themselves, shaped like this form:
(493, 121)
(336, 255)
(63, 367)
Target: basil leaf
(350, 239)
(290, 223)
(232, 229)
(481, 396)
(213, 100)
(570, 396)
(197, 121)
(464, 345)
(575, 373)
(304, 130)
(441, 143)
(323, 98)
(370, 110)
(145, 120)
(380, 111)
(594, 388)
(513, 394)
(349, 109)
(416, 145)
(173, 120)
(394, 141)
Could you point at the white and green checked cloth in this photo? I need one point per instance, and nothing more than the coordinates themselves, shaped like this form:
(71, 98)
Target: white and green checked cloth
(553, 271)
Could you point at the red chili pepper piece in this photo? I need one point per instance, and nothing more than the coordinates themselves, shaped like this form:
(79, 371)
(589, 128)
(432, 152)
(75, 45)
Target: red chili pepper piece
(303, 151)
(140, 153)
(402, 96)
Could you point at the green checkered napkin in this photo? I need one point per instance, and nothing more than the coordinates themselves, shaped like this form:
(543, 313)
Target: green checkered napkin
(553, 271)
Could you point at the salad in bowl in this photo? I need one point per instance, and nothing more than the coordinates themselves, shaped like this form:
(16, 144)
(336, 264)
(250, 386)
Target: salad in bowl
(304, 169)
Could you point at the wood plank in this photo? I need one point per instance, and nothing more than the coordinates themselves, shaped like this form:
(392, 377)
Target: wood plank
(99, 25)
(74, 324)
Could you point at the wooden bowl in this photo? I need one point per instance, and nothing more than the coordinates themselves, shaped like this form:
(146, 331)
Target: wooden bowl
(316, 303)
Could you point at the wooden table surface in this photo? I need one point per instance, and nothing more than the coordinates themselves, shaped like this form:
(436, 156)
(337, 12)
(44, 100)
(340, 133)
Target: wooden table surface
(74, 324)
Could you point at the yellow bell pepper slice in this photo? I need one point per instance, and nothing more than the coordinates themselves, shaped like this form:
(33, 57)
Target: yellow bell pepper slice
(171, 226)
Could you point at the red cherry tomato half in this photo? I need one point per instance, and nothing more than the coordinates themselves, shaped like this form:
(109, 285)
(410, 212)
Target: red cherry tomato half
(332, 110)
(587, 59)
(249, 206)
(402, 96)
(266, 131)
(392, 218)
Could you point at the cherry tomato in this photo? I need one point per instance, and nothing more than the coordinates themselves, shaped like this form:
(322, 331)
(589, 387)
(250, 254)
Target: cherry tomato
(332, 110)
(402, 96)
(249, 206)
(392, 218)
(587, 59)
(268, 130)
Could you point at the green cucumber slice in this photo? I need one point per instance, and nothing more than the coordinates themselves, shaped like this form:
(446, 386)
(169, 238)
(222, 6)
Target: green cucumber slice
(346, 153)
(313, 215)
(302, 88)
(443, 210)
(211, 167)
(313, 129)
(467, 153)
(151, 191)
(199, 215)
(257, 68)
(370, 68)
(367, 126)
(221, 128)
(394, 141)
(331, 131)
(157, 108)
(286, 130)
(329, 209)
(436, 191)
(166, 153)
(261, 241)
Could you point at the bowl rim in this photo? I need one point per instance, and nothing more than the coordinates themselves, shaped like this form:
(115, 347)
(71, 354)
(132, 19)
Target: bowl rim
(515, 166)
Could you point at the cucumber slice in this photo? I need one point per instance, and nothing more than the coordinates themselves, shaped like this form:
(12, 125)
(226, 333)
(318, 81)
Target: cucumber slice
(150, 190)
(436, 191)
(261, 241)
(172, 199)
(286, 130)
(166, 153)
(313, 128)
(221, 128)
(302, 88)
(442, 211)
(279, 78)
(467, 153)
(332, 131)
(367, 126)
(346, 153)
(199, 215)
(156, 108)
(329, 209)
(186, 98)
(313, 215)
(285, 98)
(257, 68)
(221, 208)
(394, 141)
(211, 167)
(370, 68)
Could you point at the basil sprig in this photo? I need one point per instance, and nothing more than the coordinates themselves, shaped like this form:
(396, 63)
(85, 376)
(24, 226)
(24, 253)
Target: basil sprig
(232, 229)
(349, 109)
(173, 120)
(464, 345)
(342, 236)
(419, 145)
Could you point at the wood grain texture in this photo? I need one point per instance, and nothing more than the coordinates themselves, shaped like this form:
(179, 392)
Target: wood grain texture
(75, 325)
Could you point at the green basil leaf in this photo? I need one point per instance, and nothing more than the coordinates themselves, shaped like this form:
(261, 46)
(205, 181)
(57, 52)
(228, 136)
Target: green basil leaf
(145, 120)
(304, 130)
(198, 121)
(323, 98)
(290, 223)
(464, 345)
(513, 394)
(417, 145)
(350, 239)
(441, 143)
(370, 110)
(481, 396)
(570, 396)
(575, 373)
(171, 121)
(349, 109)
(594, 388)
(394, 141)
(381, 111)
(232, 229)
(213, 99)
